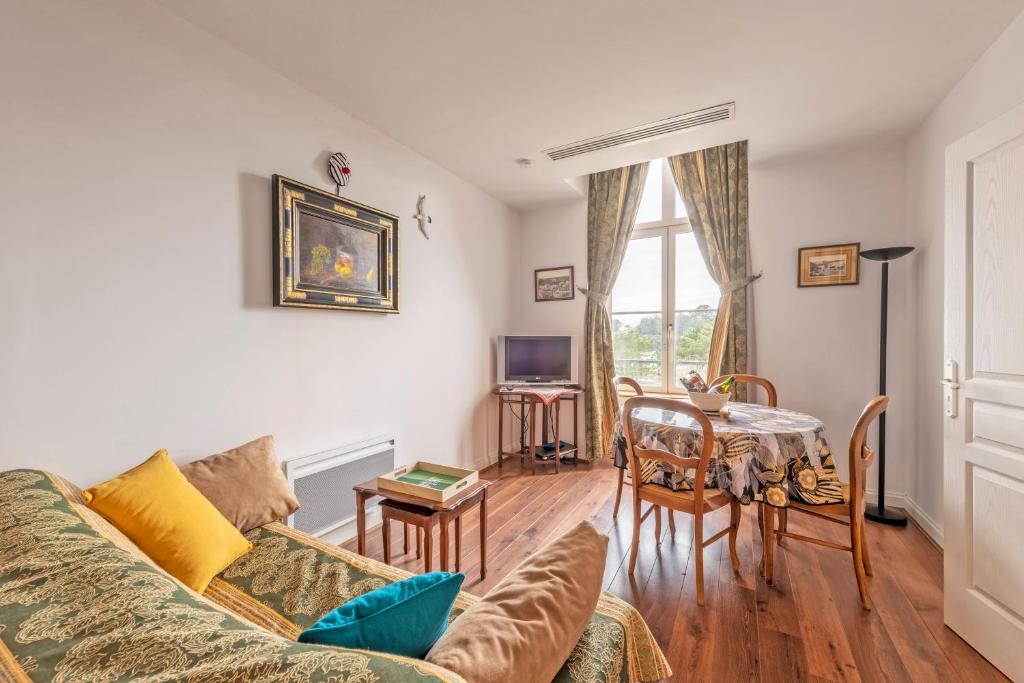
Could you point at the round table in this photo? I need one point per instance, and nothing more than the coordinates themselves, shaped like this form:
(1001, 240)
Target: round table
(772, 455)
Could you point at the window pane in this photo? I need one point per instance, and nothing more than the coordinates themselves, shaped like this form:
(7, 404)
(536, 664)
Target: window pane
(693, 343)
(696, 307)
(680, 211)
(638, 287)
(694, 286)
(637, 344)
(650, 200)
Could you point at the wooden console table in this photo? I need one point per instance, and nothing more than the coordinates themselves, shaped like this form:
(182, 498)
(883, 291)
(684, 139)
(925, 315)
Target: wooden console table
(447, 511)
(550, 401)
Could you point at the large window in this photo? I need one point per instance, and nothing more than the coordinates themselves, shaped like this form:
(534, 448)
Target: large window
(664, 302)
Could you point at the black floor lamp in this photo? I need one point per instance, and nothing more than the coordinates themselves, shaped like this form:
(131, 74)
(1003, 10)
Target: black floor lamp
(879, 513)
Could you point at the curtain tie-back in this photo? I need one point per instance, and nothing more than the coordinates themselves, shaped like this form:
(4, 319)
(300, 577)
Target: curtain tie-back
(730, 287)
(596, 297)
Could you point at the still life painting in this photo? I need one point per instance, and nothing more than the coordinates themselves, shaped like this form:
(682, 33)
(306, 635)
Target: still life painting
(331, 252)
(836, 264)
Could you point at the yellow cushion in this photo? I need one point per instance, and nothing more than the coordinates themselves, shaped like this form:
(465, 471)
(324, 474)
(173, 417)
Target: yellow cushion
(169, 520)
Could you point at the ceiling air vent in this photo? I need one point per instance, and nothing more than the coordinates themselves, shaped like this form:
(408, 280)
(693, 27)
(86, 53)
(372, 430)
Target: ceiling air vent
(649, 131)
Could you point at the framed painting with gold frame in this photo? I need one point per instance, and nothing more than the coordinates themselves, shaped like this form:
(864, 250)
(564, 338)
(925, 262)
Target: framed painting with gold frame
(835, 264)
(332, 252)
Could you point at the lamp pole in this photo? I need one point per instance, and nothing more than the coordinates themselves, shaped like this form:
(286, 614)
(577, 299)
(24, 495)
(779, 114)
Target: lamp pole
(879, 513)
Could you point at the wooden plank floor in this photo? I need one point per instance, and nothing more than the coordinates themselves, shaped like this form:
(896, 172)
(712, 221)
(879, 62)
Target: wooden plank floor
(809, 626)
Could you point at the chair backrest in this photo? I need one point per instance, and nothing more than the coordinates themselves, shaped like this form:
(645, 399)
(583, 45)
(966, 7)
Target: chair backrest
(763, 382)
(636, 453)
(622, 381)
(861, 456)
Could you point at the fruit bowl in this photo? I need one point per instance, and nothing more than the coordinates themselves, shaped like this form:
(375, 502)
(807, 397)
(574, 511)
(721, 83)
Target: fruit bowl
(709, 402)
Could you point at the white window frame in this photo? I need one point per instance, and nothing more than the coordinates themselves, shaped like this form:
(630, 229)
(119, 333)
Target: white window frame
(667, 229)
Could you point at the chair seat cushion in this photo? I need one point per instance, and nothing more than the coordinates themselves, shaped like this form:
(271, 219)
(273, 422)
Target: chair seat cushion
(403, 618)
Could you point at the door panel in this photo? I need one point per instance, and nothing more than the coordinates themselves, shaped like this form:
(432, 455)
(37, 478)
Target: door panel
(984, 436)
(998, 566)
(1001, 424)
(998, 241)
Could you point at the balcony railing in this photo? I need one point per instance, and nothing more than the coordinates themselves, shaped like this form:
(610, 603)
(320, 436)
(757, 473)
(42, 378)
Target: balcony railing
(648, 372)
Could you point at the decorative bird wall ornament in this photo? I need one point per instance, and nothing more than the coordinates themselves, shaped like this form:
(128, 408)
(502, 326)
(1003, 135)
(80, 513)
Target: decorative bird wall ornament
(421, 215)
(339, 170)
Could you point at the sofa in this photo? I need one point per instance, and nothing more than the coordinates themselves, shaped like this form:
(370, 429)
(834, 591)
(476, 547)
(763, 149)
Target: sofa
(80, 602)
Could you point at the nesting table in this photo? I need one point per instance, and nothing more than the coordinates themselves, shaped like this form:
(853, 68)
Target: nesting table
(431, 512)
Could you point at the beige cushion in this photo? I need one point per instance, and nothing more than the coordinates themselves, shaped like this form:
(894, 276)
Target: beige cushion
(245, 484)
(526, 627)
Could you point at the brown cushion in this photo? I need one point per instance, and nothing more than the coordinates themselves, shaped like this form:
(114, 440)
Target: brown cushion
(245, 484)
(527, 626)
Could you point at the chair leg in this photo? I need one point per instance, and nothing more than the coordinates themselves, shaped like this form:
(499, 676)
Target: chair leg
(864, 551)
(671, 522)
(636, 535)
(734, 528)
(857, 543)
(419, 542)
(783, 524)
(768, 544)
(657, 524)
(698, 550)
(385, 530)
(618, 493)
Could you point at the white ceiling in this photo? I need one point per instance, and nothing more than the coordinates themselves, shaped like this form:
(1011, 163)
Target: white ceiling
(476, 84)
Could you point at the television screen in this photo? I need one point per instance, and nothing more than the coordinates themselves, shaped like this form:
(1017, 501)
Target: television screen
(538, 359)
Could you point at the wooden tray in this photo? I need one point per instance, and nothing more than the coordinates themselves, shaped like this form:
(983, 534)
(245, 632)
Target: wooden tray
(436, 483)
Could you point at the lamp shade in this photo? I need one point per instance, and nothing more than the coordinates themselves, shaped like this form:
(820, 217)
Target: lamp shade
(886, 253)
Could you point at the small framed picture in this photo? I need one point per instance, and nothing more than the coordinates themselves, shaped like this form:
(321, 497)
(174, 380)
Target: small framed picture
(554, 284)
(835, 264)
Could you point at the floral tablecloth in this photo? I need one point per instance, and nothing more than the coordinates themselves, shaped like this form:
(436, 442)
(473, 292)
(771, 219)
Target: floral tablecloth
(761, 453)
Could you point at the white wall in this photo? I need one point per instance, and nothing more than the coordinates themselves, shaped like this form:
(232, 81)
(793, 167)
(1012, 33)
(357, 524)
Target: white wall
(993, 86)
(135, 279)
(819, 346)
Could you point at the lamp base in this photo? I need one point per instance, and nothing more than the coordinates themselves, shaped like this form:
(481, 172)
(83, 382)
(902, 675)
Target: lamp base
(890, 516)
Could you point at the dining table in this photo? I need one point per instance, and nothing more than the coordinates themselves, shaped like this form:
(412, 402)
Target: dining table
(761, 454)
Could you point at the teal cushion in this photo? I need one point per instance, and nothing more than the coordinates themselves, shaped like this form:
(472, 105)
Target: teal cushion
(404, 618)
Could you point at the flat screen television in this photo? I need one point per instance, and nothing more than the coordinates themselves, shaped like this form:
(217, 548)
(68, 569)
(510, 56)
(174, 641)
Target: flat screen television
(538, 359)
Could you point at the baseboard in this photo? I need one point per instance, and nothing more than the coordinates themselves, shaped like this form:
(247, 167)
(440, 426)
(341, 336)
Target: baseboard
(923, 520)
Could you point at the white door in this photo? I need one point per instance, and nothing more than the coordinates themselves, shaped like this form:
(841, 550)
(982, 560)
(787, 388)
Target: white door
(984, 385)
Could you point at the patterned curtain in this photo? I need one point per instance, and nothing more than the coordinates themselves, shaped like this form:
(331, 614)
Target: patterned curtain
(713, 184)
(612, 202)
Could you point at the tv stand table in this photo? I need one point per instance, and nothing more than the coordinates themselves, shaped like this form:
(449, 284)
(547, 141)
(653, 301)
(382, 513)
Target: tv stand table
(549, 400)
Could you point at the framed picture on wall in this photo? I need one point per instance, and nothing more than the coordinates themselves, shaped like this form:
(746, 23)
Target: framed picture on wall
(554, 284)
(331, 252)
(835, 264)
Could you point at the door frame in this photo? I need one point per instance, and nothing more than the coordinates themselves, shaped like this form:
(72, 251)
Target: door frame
(984, 622)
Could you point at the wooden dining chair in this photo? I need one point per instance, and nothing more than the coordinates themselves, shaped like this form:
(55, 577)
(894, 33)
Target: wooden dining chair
(697, 502)
(763, 382)
(848, 513)
(621, 381)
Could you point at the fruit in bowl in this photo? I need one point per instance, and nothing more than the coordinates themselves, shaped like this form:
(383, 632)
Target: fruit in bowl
(709, 401)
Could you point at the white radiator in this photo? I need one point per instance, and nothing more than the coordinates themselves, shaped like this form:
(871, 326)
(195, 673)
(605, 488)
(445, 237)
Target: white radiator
(323, 482)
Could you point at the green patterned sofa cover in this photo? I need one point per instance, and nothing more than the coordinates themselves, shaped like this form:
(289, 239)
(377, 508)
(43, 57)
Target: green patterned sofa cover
(79, 602)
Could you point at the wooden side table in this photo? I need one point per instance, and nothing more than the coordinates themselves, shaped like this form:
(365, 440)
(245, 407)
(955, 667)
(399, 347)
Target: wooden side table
(453, 509)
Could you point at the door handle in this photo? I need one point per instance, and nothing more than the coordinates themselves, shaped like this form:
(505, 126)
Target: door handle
(949, 388)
